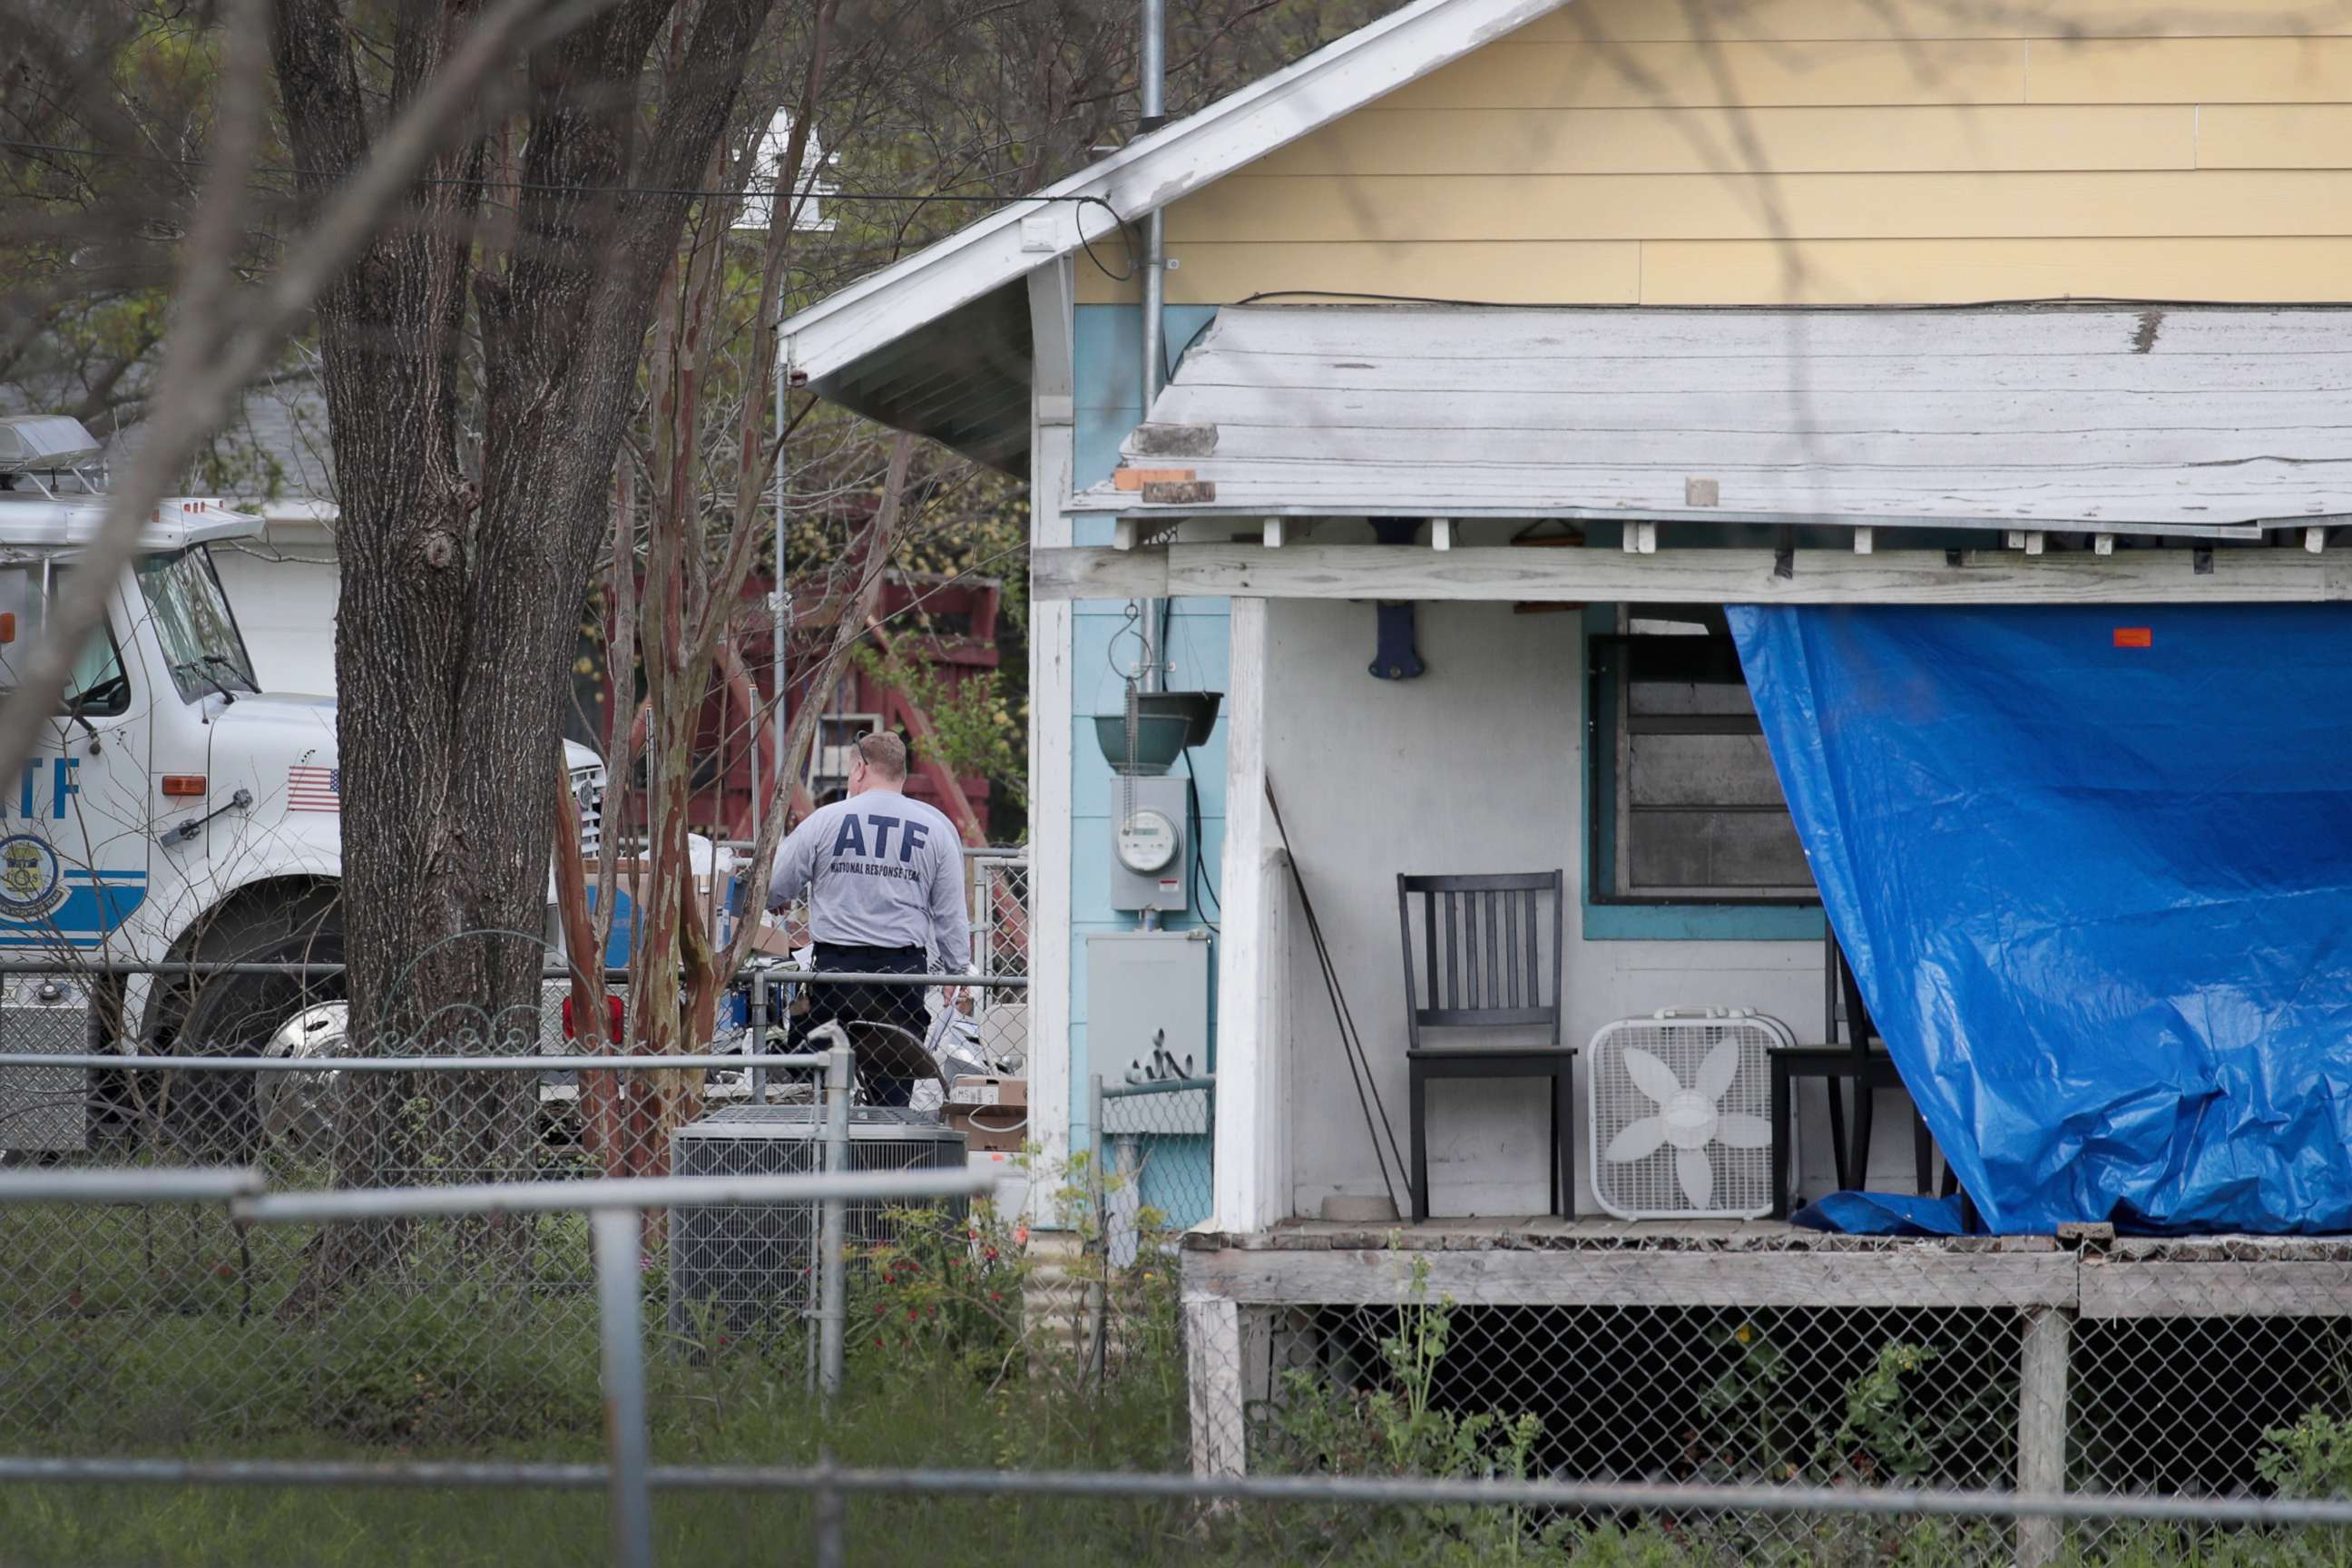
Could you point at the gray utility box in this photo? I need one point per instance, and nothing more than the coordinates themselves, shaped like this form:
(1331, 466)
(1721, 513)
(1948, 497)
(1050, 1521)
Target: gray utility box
(43, 1109)
(1150, 847)
(1147, 988)
(737, 1266)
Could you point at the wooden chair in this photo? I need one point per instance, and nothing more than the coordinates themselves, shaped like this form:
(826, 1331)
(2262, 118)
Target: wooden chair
(1854, 1053)
(1483, 964)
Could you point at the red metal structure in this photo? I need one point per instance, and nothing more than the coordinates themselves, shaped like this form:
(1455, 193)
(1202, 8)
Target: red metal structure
(946, 627)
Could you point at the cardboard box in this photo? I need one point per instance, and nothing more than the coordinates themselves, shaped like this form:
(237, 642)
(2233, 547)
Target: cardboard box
(977, 1090)
(1000, 1124)
(775, 941)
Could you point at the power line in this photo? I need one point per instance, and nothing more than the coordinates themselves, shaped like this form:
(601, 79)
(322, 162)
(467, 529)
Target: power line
(289, 170)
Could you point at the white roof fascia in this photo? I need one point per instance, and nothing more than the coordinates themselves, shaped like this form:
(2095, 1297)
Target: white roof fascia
(1165, 166)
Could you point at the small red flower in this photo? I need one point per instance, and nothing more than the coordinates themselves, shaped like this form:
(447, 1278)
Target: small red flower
(224, 1270)
(994, 1295)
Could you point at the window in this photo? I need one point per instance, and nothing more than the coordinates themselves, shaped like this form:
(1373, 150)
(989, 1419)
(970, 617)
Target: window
(1687, 809)
(96, 684)
(193, 621)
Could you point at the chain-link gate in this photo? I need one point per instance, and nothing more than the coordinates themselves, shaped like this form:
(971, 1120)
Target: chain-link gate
(1000, 947)
(1154, 1144)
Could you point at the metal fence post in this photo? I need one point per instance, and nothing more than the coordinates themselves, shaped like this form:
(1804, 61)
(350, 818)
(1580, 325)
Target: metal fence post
(756, 1009)
(828, 1516)
(828, 1507)
(1096, 1297)
(832, 1263)
(618, 1238)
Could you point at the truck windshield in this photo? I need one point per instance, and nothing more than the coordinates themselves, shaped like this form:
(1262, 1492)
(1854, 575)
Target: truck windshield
(193, 622)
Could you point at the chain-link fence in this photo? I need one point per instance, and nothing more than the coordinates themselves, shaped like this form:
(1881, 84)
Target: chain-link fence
(122, 1327)
(1154, 1141)
(1747, 1356)
(129, 1326)
(1000, 947)
(1860, 1404)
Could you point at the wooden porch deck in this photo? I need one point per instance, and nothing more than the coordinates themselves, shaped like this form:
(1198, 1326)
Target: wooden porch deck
(1242, 1292)
(1543, 1260)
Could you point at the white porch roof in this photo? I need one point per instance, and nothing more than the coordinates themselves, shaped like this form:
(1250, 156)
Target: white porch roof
(2209, 422)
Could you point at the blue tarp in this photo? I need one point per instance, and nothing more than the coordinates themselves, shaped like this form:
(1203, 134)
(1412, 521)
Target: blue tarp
(1886, 1213)
(2093, 867)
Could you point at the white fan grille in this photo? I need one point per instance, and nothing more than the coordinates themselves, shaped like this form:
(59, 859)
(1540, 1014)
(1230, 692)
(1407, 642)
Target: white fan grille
(1680, 1116)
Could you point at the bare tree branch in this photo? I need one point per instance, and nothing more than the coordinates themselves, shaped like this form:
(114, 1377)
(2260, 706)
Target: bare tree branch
(212, 352)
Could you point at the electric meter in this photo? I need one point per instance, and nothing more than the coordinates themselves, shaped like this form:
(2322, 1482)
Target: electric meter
(1147, 842)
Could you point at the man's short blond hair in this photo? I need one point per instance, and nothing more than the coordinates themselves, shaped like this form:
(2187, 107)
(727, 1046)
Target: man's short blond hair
(886, 754)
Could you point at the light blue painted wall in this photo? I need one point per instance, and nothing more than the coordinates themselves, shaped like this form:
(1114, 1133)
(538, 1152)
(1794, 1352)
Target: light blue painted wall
(1110, 401)
(1108, 351)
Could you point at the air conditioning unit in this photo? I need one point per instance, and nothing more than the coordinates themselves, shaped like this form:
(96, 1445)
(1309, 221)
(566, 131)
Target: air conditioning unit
(1681, 1105)
(737, 1267)
(43, 1109)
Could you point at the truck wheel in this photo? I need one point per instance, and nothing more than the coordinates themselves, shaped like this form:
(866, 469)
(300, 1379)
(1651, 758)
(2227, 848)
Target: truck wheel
(220, 1114)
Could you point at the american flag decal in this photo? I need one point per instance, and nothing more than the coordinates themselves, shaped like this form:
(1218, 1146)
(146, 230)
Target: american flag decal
(312, 788)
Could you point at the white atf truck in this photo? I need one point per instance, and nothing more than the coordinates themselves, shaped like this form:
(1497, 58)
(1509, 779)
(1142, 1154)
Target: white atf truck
(174, 813)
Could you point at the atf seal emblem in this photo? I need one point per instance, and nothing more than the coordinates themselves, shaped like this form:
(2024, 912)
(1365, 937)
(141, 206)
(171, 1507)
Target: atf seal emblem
(31, 883)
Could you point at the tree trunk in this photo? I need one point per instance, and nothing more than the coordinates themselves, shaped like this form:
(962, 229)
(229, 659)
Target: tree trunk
(459, 606)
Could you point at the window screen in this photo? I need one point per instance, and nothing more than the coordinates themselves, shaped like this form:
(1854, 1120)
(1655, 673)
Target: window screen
(1698, 812)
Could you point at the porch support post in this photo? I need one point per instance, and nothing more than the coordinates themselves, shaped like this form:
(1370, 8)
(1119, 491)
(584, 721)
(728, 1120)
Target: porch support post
(1051, 453)
(2042, 1391)
(1217, 1386)
(1252, 1148)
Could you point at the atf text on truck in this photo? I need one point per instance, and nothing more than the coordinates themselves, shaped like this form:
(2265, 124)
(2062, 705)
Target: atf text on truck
(174, 814)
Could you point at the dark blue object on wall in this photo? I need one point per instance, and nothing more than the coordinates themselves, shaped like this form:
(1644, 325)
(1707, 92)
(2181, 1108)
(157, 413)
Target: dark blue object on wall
(2093, 866)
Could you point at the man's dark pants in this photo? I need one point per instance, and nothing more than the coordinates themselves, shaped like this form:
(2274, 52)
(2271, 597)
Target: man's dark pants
(870, 1004)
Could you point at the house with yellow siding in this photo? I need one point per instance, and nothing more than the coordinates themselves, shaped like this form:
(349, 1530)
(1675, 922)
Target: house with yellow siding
(1442, 403)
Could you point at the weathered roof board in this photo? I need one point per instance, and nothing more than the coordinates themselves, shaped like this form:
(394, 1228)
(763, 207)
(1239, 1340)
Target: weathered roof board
(2104, 420)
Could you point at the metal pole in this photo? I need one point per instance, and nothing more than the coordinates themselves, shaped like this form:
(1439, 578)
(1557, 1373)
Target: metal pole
(780, 600)
(616, 1234)
(756, 1010)
(104, 1061)
(1151, 74)
(830, 1508)
(833, 1264)
(1127, 1166)
(1096, 1312)
(591, 1193)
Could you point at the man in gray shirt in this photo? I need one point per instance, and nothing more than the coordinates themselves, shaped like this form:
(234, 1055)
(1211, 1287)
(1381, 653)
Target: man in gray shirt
(884, 876)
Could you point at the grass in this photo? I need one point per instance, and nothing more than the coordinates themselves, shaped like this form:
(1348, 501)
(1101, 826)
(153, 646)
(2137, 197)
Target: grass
(157, 1333)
